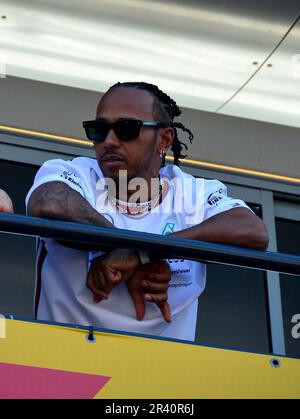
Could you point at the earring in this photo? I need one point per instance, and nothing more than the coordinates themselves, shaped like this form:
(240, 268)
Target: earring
(162, 153)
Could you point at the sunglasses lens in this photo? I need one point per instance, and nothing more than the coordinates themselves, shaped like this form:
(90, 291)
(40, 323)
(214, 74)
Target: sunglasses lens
(125, 130)
(97, 132)
(128, 130)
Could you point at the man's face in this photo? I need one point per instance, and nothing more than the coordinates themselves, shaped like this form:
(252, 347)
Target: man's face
(140, 157)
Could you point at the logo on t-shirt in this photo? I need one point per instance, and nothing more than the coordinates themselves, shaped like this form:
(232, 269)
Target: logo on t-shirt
(215, 197)
(169, 228)
(71, 177)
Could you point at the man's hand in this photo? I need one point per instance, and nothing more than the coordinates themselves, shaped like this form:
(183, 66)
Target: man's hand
(109, 270)
(150, 282)
(5, 203)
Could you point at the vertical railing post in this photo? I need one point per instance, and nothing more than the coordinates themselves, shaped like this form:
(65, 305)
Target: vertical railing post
(273, 280)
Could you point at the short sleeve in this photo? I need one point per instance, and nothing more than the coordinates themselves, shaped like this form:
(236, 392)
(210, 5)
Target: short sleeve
(216, 199)
(57, 171)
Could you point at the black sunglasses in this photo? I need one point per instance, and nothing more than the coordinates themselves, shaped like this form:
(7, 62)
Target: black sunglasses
(125, 129)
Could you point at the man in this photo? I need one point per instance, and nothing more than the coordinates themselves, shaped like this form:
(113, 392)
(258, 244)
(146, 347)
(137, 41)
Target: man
(126, 289)
(6, 204)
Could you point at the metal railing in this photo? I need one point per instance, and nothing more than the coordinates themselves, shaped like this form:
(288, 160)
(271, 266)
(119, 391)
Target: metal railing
(166, 247)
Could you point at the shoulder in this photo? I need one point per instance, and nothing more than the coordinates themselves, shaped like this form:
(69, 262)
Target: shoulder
(216, 199)
(84, 162)
(186, 187)
(214, 192)
(177, 176)
(79, 165)
(171, 172)
(212, 186)
(75, 173)
(78, 162)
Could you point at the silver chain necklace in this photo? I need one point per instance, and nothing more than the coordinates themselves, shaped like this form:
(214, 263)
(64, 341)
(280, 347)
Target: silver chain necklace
(138, 207)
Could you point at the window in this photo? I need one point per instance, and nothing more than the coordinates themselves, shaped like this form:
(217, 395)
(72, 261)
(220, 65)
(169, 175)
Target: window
(288, 233)
(233, 310)
(17, 253)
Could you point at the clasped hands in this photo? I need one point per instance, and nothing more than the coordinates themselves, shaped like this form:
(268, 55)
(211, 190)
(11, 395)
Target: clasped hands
(147, 282)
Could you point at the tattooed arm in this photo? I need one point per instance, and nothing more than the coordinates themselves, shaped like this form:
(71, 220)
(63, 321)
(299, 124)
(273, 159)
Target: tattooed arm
(56, 200)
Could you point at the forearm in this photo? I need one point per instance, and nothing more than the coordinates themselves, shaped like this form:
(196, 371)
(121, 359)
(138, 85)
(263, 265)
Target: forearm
(55, 200)
(237, 227)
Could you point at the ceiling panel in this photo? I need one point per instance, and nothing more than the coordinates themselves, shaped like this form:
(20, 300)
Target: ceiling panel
(201, 52)
(273, 94)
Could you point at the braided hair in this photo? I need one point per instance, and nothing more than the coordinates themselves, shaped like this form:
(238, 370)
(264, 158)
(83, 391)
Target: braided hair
(165, 109)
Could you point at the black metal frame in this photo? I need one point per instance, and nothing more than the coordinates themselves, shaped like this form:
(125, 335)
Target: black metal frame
(167, 247)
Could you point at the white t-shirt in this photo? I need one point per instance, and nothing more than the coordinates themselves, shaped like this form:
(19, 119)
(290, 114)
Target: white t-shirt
(61, 293)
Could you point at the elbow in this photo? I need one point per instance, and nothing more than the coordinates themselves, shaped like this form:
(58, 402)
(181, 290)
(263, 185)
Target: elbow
(39, 209)
(46, 209)
(35, 212)
(253, 234)
(47, 201)
(259, 236)
(262, 241)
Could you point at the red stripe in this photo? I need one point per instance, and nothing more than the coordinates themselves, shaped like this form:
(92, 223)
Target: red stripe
(24, 382)
(41, 260)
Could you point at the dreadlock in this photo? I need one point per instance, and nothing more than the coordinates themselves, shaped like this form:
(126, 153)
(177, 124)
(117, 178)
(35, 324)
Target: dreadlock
(165, 109)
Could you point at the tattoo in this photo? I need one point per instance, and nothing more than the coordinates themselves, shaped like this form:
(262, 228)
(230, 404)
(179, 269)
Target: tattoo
(56, 200)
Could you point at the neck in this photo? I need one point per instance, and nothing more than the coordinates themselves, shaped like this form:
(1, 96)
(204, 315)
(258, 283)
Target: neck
(138, 189)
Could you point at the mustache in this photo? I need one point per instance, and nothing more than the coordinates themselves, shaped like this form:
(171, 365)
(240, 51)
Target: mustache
(112, 154)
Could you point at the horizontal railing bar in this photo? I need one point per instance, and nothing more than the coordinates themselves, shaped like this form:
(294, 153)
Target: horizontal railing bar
(168, 247)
